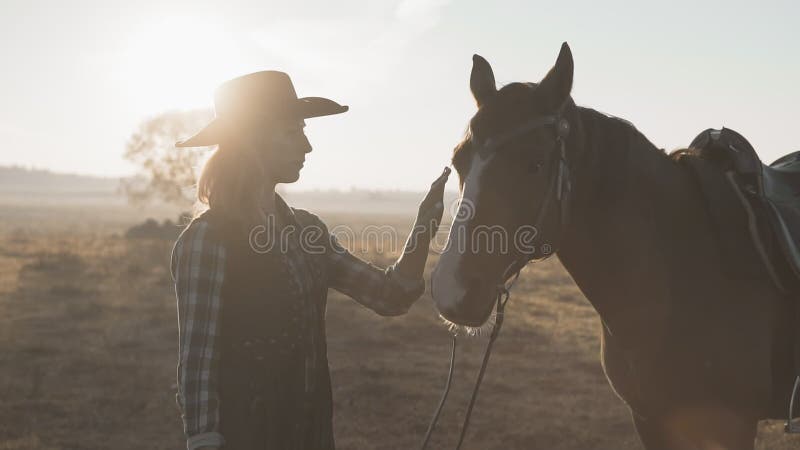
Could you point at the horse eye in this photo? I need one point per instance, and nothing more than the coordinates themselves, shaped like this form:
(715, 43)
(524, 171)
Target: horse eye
(535, 166)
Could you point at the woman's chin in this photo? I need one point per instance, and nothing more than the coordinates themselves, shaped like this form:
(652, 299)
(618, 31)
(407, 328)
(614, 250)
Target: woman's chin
(290, 177)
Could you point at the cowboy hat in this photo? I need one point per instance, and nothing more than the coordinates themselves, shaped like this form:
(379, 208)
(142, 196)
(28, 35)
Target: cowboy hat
(262, 96)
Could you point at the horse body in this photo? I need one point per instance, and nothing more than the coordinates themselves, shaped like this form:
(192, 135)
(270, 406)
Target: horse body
(697, 354)
(683, 343)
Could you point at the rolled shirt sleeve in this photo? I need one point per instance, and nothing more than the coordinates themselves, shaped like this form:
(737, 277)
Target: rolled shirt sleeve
(197, 267)
(384, 291)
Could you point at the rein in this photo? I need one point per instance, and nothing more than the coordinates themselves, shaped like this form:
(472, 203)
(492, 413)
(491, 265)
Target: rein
(503, 294)
(560, 182)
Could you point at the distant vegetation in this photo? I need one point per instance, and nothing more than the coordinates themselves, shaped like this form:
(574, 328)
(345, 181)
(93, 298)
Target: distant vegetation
(21, 185)
(22, 179)
(151, 229)
(165, 173)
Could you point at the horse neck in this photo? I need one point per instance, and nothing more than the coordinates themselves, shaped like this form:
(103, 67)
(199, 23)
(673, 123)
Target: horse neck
(633, 205)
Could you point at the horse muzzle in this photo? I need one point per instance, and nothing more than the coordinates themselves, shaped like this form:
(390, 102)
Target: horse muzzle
(467, 303)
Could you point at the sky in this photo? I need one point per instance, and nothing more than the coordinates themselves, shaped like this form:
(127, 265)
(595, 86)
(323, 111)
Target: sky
(80, 76)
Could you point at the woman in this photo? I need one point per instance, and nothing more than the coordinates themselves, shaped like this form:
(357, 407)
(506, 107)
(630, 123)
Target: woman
(251, 278)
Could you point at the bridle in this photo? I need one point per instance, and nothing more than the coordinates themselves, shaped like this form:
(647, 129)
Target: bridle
(560, 188)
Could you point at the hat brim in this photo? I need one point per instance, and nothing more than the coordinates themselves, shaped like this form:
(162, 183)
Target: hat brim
(308, 107)
(210, 135)
(303, 108)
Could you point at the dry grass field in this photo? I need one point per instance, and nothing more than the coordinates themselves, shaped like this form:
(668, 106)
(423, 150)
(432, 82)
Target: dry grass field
(88, 345)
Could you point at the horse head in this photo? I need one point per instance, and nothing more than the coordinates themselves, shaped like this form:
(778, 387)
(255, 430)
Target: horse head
(513, 169)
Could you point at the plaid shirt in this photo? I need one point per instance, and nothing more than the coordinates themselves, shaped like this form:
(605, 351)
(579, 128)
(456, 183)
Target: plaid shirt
(198, 269)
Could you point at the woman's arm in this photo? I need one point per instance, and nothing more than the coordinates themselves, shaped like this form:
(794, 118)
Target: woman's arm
(390, 291)
(385, 291)
(198, 262)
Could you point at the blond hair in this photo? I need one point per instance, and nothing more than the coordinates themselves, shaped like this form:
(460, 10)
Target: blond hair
(231, 183)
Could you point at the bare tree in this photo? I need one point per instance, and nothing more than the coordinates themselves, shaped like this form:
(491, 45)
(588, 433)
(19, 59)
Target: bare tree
(166, 173)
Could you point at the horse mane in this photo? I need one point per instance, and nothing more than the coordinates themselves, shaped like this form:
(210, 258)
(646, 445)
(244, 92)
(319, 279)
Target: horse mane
(678, 154)
(459, 159)
(598, 118)
(592, 119)
(710, 154)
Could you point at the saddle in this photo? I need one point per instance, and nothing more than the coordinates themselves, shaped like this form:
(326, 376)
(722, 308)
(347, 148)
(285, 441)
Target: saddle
(769, 194)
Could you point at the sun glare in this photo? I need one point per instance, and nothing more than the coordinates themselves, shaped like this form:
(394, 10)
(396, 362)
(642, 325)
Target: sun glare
(176, 64)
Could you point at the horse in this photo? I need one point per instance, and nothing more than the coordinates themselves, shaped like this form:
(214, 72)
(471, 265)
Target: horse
(695, 354)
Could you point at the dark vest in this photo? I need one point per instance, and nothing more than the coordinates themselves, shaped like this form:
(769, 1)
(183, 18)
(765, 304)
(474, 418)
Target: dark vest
(275, 388)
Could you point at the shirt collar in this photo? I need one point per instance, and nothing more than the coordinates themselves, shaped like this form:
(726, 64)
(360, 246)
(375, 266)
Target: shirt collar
(284, 209)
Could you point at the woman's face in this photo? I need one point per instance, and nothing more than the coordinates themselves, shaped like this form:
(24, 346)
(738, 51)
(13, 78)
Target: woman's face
(282, 150)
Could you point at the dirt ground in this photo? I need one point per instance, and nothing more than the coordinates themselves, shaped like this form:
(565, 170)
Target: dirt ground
(88, 345)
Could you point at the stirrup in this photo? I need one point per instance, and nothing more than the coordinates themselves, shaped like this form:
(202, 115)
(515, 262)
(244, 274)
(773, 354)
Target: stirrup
(789, 427)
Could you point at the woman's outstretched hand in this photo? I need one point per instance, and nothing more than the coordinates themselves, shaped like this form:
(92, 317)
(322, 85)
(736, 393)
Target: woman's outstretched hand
(415, 254)
(432, 207)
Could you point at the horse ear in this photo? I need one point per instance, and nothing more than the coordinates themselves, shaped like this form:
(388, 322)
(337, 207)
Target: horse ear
(557, 84)
(481, 81)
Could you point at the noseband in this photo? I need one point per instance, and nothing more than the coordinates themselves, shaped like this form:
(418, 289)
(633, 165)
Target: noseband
(560, 187)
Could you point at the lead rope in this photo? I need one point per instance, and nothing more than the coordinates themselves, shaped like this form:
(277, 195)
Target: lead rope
(435, 419)
(503, 294)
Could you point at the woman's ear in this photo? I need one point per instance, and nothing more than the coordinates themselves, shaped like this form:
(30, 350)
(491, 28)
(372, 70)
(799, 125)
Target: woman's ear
(557, 84)
(481, 81)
